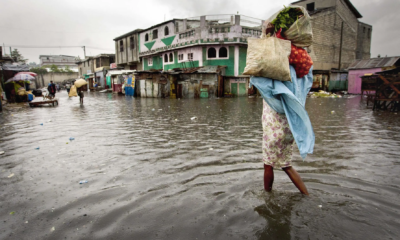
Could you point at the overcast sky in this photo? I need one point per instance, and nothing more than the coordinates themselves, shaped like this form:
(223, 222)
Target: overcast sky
(95, 23)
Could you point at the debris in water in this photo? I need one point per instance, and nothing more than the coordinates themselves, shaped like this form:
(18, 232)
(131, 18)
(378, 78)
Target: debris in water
(2, 152)
(12, 213)
(323, 94)
(26, 222)
(52, 229)
(152, 109)
(50, 120)
(41, 124)
(320, 206)
(37, 148)
(332, 112)
(193, 118)
(11, 175)
(211, 149)
(67, 143)
(71, 138)
(83, 181)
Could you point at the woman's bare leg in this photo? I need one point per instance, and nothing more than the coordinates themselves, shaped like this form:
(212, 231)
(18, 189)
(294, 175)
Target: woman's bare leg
(268, 177)
(296, 179)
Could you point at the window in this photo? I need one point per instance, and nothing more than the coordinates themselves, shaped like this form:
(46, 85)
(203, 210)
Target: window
(190, 56)
(166, 31)
(223, 53)
(171, 57)
(84, 64)
(369, 32)
(146, 37)
(97, 62)
(177, 27)
(150, 61)
(155, 34)
(311, 7)
(180, 57)
(363, 29)
(121, 46)
(132, 43)
(166, 58)
(212, 53)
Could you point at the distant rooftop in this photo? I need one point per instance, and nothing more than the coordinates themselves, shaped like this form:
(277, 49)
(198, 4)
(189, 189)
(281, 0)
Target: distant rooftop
(348, 3)
(57, 56)
(375, 63)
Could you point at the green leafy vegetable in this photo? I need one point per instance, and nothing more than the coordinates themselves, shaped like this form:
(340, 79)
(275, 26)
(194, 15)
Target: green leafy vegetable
(286, 18)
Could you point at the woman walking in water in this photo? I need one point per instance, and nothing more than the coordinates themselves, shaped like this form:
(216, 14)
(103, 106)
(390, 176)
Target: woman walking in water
(284, 121)
(277, 148)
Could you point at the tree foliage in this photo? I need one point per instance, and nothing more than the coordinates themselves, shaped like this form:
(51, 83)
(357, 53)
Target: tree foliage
(54, 68)
(68, 70)
(17, 57)
(38, 70)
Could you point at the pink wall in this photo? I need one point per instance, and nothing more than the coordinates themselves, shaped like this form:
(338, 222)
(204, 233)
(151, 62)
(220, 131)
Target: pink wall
(355, 79)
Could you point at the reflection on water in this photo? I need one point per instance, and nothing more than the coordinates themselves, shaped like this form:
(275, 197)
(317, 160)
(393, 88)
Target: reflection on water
(153, 173)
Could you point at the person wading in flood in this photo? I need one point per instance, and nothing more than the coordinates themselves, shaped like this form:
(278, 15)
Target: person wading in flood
(81, 96)
(284, 121)
(52, 89)
(277, 148)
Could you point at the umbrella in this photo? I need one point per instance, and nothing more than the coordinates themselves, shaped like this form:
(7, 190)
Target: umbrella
(20, 77)
(29, 73)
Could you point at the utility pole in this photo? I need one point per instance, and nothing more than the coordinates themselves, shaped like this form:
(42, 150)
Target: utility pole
(84, 52)
(341, 46)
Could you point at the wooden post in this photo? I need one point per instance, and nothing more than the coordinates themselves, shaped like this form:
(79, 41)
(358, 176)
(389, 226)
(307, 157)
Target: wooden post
(341, 46)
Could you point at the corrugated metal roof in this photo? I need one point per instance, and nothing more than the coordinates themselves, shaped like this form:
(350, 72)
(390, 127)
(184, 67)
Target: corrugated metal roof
(210, 69)
(119, 72)
(374, 63)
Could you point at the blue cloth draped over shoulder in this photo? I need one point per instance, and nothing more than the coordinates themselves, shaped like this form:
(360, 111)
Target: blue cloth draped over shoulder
(289, 98)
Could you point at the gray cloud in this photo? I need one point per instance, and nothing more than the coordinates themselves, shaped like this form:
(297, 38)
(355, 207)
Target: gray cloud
(96, 23)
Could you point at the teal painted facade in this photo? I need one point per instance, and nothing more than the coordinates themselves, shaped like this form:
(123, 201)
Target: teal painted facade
(176, 64)
(242, 59)
(157, 63)
(230, 62)
(168, 41)
(149, 45)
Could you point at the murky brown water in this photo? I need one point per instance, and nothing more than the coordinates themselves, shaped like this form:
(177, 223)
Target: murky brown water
(159, 175)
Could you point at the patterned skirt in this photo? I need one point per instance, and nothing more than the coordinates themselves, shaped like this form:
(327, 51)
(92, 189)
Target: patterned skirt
(277, 138)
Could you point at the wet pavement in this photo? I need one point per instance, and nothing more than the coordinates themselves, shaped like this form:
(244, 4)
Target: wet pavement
(153, 173)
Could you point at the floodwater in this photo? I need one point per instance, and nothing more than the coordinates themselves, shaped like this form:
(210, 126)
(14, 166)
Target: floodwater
(153, 173)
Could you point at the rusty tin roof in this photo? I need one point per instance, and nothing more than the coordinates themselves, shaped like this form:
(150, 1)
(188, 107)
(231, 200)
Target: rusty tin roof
(375, 63)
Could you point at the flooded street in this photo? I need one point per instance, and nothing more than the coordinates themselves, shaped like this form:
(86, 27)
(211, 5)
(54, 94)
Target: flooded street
(153, 173)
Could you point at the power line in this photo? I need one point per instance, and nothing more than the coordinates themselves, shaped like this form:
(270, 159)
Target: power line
(51, 31)
(38, 46)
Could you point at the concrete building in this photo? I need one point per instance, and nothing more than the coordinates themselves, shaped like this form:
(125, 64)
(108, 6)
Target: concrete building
(85, 66)
(206, 41)
(102, 64)
(61, 61)
(126, 51)
(339, 37)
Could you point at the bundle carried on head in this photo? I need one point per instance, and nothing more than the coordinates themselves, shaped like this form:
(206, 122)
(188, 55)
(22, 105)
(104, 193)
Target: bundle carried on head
(295, 23)
(285, 34)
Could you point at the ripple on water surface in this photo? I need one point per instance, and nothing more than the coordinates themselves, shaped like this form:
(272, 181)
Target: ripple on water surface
(160, 175)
